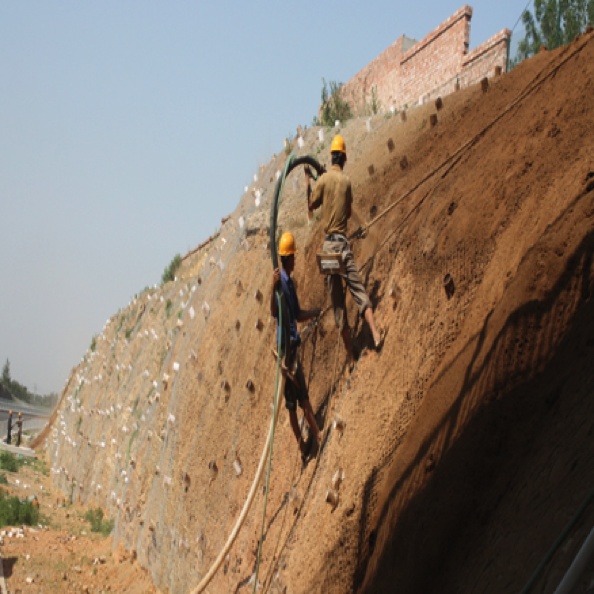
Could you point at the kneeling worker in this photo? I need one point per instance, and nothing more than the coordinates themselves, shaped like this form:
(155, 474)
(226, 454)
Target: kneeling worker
(333, 191)
(293, 393)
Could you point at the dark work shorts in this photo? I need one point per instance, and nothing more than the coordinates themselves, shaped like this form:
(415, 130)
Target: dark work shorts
(295, 394)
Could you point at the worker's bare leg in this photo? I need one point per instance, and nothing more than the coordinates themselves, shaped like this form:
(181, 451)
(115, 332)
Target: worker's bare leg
(369, 319)
(310, 418)
(296, 430)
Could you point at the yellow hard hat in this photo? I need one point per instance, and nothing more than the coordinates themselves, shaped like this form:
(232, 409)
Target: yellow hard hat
(20, 414)
(287, 245)
(338, 144)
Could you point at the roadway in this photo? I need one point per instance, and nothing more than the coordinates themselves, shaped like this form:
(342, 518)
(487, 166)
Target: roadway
(31, 416)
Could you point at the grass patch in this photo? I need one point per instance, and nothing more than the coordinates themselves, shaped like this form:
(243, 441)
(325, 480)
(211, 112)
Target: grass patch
(3, 479)
(98, 524)
(10, 462)
(129, 449)
(13, 511)
(169, 272)
(40, 465)
(132, 439)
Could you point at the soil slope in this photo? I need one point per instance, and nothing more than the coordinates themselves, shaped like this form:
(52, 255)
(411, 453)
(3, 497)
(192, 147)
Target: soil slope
(468, 429)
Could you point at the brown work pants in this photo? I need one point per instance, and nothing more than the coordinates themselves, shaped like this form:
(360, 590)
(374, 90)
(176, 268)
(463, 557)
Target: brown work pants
(352, 278)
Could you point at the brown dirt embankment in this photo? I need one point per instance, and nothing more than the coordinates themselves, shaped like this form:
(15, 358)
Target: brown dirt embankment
(451, 451)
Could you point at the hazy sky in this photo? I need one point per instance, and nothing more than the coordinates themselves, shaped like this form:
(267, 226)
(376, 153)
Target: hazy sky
(128, 129)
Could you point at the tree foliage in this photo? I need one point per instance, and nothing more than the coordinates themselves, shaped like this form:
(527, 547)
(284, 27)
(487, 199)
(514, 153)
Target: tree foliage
(6, 379)
(569, 16)
(334, 107)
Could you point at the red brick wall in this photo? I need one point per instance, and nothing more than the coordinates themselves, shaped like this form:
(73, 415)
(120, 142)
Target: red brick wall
(382, 73)
(430, 68)
(481, 61)
(435, 60)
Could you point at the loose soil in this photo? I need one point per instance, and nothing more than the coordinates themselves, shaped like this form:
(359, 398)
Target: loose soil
(62, 554)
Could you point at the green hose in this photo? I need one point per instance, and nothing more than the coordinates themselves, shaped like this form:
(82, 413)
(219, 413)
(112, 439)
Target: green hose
(280, 320)
(281, 306)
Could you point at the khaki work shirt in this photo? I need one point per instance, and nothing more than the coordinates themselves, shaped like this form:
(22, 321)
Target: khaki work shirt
(334, 192)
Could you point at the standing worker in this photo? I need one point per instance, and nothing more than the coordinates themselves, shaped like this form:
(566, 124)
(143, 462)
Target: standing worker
(9, 428)
(293, 393)
(20, 433)
(334, 192)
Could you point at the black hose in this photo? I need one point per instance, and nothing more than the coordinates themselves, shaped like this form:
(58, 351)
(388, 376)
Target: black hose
(292, 162)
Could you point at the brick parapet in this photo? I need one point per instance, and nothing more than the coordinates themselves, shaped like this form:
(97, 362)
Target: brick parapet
(463, 13)
(434, 60)
(434, 66)
(382, 73)
(487, 46)
(482, 60)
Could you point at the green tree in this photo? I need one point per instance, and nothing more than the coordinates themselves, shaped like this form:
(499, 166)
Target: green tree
(6, 379)
(554, 23)
(334, 107)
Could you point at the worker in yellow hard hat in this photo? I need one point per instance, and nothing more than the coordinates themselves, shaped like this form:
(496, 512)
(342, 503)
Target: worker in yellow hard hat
(20, 426)
(9, 428)
(334, 192)
(294, 392)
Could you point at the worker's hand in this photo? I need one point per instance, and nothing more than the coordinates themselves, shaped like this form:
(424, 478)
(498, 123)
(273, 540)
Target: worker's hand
(317, 312)
(276, 275)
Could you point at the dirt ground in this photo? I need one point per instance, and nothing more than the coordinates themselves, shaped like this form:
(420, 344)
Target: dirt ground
(467, 444)
(62, 554)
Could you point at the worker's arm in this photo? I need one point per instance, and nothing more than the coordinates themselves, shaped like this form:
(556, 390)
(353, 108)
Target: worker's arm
(317, 196)
(349, 197)
(273, 303)
(309, 314)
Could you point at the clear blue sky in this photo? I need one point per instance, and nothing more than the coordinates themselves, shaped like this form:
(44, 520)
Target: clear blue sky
(128, 129)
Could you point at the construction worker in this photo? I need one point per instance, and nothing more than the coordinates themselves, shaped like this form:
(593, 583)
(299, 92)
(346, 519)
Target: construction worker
(20, 433)
(9, 428)
(293, 393)
(334, 192)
